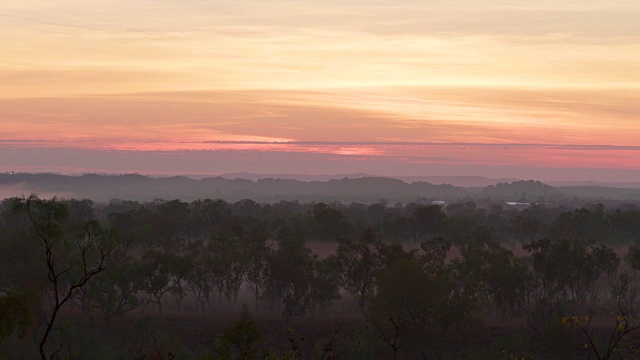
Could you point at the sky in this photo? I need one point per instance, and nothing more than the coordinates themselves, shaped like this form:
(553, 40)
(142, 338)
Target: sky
(542, 89)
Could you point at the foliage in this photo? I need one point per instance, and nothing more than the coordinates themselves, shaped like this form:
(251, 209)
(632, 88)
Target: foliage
(565, 272)
(239, 341)
(359, 262)
(72, 256)
(289, 273)
(16, 315)
(109, 260)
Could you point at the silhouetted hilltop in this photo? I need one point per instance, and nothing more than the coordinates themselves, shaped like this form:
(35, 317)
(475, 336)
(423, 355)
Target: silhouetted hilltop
(602, 192)
(301, 177)
(461, 181)
(365, 189)
(620, 185)
(521, 191)
(139, 187)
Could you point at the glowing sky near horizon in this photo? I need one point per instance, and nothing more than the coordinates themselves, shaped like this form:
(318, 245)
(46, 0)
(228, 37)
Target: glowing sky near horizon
(431, 87)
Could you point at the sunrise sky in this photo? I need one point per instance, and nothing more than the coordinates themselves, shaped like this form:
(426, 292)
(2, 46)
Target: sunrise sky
(545, 89)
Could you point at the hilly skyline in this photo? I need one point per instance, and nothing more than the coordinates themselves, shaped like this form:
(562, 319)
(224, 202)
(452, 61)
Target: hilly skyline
(345, 189)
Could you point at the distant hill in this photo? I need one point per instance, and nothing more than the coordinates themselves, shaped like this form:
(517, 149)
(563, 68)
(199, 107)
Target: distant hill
(522, 191)
(461, 181)
(301, 177)
(139, 187)
(601, 192)
(619, 185)
(347, 189)
(455, 180)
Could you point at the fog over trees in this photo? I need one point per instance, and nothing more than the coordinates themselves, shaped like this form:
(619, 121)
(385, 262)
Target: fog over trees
(500, 272)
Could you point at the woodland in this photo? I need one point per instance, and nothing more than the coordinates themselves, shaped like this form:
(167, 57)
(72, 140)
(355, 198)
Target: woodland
(211, 279)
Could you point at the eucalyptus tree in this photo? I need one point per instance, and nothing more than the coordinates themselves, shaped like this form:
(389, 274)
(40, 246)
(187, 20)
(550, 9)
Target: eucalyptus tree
(358, 263)
(115, 293)
(254, 253)
(16, 314)
(155, 272)
(288, 274)
(427, 222)
(71, 257)
(210, 216)
(401, 308)
(565, 272)
(225, 265)
(324, 287)
(416, 293)
(197, 279)
(328, 223)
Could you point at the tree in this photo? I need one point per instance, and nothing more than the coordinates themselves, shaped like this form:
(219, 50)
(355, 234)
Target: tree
(210, 216)
(289, 272)
(324, 284)
(418, 293)
(180, 269)
(156, 281)
(70, 261)
(525, 227)
(329, 223)
(452, 290)
(565, 273)
(633, 255)
(240, 341)
(359, 262)
(396, 227)
(197, 279)
(401, 306)
(169, 223)
(16, 314)
(493, 274)
(254, 255)
(623, 326)
(226, 265)
(427, 222)
(113, 293)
